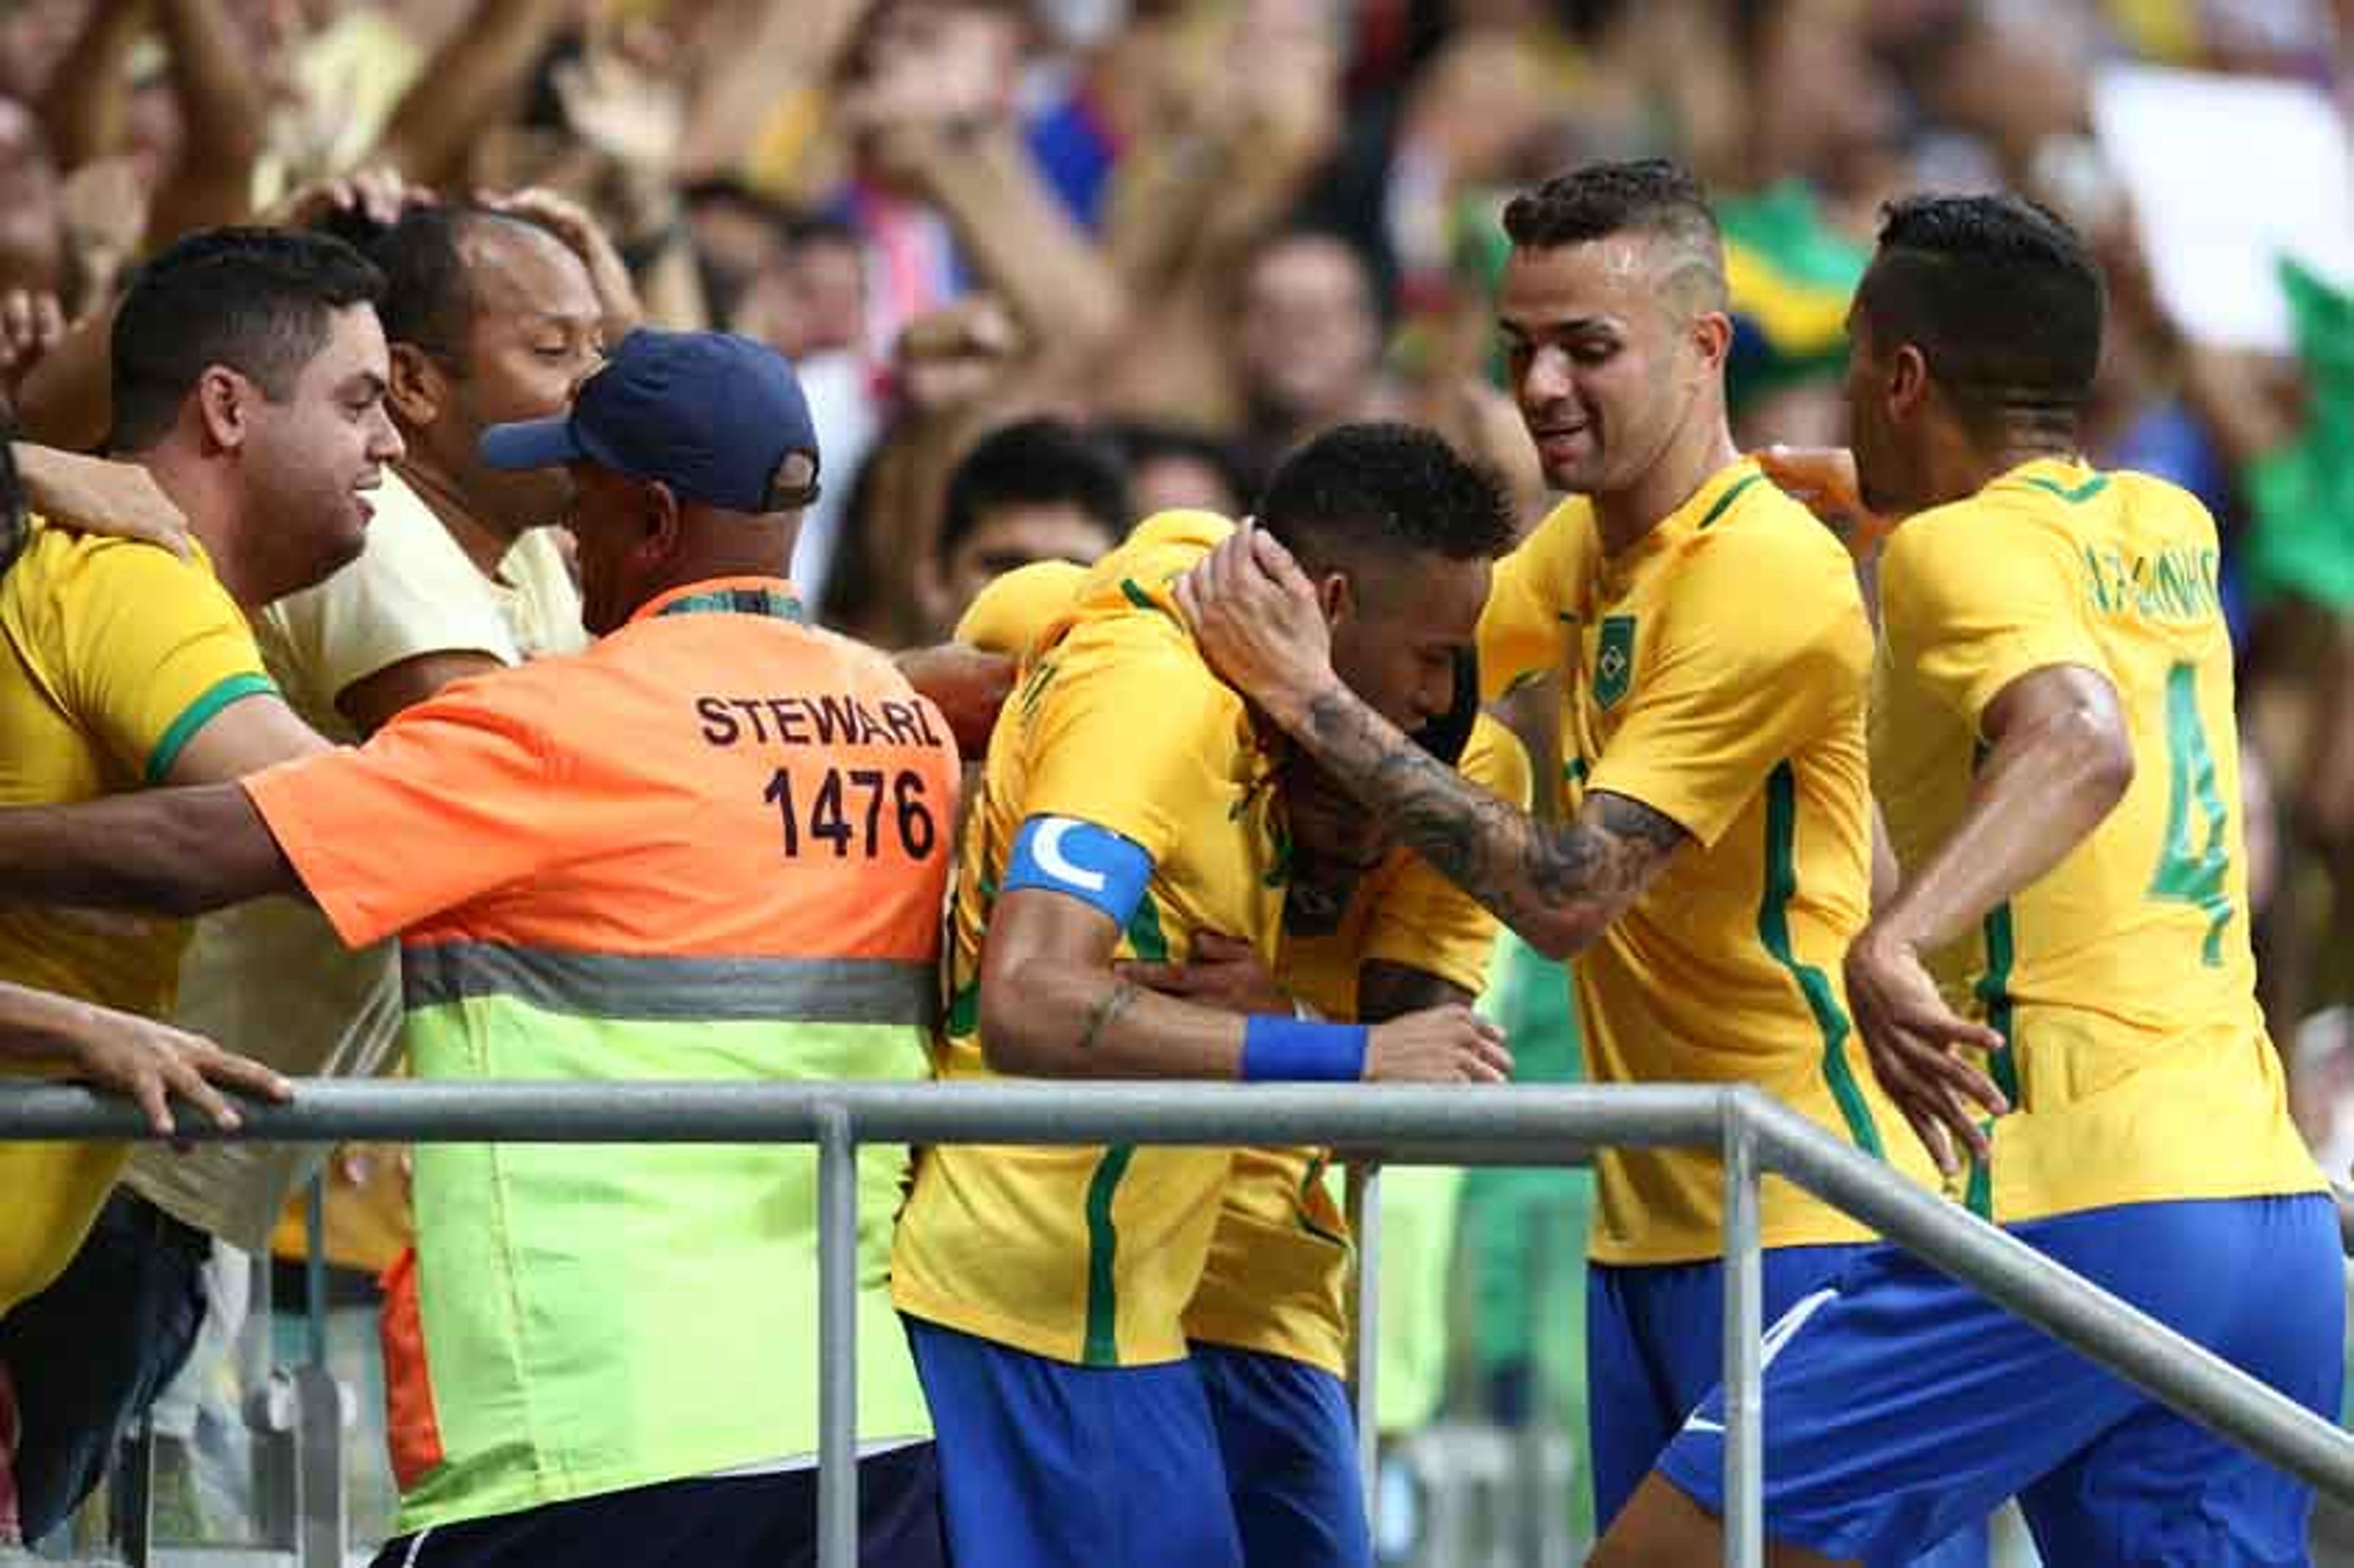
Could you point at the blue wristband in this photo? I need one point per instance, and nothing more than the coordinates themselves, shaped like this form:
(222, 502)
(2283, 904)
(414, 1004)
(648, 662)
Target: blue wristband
(1275, 1049)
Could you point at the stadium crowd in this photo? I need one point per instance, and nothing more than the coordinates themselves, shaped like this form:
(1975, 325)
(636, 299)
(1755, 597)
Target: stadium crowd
(552, 538)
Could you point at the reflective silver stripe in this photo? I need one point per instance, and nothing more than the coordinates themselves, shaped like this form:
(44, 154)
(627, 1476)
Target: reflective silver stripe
(674, 990)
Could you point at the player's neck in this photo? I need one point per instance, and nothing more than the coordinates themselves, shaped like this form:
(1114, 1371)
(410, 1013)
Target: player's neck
(1964, 468)
(484, 540)
(1626, 518)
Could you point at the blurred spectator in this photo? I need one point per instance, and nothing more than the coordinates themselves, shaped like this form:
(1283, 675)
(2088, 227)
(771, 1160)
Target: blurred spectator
(1037, 490)
(1308, 340)
(32, 235)
(1173, 467)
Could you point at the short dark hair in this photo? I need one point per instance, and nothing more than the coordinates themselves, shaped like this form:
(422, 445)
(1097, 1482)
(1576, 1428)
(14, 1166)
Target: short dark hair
(429, 299)
(255, 300)
(1389, 489)
(2000, 297)
(1649, 195)
(1042, 462)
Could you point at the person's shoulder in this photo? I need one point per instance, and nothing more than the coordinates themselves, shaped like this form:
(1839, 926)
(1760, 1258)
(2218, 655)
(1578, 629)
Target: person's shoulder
(2149, 495)
(1982, 530)
(1016, 609)
(63, 571)
(1766, 549)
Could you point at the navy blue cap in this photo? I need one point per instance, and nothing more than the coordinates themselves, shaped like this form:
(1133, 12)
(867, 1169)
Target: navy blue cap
(718, 417)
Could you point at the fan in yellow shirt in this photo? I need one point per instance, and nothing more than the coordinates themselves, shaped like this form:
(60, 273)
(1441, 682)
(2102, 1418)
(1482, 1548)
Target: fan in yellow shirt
(1127, 805)
(249, 379)
(1369, 932)
(1715, 855)
(2053, 744)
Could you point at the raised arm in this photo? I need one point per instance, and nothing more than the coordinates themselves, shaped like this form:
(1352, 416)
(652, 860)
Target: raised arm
(85, 106)
(220, 99)
(459, 91)
(1557, 886)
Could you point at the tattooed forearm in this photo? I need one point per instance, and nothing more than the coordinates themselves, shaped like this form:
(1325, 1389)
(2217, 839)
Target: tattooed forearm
(1557, 886)
(1113, 1004)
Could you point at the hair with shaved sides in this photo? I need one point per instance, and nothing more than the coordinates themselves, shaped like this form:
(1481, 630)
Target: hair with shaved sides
(2000, 297)
(1652, 197)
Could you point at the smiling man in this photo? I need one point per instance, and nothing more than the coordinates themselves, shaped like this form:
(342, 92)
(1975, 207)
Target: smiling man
(249, 379)
(1713, 855)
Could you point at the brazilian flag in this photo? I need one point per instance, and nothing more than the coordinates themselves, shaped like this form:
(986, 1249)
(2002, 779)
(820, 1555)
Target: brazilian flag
(2301, 496)
(1791, 276)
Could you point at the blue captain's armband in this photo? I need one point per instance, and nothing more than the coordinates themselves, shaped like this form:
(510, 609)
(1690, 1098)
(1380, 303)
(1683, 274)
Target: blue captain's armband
(1092, 864)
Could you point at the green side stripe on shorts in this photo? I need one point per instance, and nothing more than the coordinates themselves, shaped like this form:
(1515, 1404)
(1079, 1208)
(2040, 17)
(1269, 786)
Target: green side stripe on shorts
(1993, 991)
(1773, 930)
(1102, 1347)
(198, 713)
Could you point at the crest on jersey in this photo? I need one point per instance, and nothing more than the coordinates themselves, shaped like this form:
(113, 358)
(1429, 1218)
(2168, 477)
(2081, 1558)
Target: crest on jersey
(1614, 659)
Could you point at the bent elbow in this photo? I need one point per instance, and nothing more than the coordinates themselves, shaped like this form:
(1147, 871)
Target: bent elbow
(2105, 758)
(1009, 1039)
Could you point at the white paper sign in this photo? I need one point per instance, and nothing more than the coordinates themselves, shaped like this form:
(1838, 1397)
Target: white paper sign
(2229, 173)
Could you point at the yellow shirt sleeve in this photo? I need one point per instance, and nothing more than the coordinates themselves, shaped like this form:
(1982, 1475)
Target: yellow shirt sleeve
(1520, 632)
(1765, 644)
(1016, 608)
(1130, 742)
(143, 648)
(1972, 596)
(1425, 922)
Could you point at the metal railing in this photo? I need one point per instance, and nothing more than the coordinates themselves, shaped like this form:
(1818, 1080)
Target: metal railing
(1398, 1125)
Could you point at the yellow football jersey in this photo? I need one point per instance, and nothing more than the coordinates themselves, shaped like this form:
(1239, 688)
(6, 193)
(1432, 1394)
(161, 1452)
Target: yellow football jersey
(112, 655)
(1719, 672)
(1278, 1270)
(2139, 1067)
(1089, 1255)
(1015, 607)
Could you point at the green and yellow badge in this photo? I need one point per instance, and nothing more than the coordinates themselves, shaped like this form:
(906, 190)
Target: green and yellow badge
(1614, 659)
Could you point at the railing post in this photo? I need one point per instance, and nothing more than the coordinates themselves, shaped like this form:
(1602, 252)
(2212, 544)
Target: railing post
(321, 1521)
(837, 1340)
(1365, 1347)
(1744, 1404)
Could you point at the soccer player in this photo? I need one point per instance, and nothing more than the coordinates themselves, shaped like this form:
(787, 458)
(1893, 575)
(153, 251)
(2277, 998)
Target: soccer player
(1715, 857)
(1370, 932)
(2052, 744)
(1129, 805)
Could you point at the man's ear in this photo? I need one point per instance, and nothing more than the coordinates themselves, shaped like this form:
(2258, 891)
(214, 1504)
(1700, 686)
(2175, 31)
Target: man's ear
(1712, 337)
(225, 404)
(1908, 381)
(660, 520)
(1336, 597)
(419, 386)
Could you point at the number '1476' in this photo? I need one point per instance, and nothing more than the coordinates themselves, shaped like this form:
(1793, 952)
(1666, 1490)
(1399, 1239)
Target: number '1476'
(846, 810)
